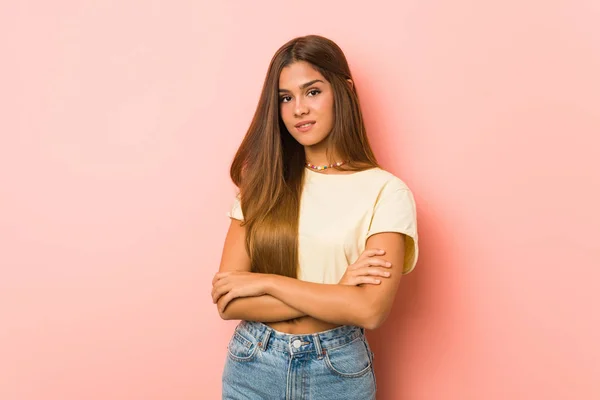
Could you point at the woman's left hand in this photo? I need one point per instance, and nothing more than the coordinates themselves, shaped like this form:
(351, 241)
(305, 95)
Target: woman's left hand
(233, 284)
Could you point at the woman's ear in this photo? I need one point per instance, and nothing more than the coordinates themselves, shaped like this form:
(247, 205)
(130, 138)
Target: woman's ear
(351, 83)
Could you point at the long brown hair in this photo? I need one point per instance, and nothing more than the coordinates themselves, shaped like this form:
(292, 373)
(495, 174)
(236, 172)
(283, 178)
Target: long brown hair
(268, 167)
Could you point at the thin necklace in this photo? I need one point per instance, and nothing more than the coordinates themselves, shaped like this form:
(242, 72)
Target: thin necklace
(321, 167)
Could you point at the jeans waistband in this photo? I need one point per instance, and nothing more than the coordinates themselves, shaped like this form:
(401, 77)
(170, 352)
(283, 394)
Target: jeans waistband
(266, 337)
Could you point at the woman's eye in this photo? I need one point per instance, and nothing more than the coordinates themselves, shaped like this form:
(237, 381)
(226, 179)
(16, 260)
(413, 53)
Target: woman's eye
(315, 91)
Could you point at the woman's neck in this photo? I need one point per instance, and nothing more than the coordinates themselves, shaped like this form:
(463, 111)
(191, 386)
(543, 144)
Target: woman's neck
(319, 157)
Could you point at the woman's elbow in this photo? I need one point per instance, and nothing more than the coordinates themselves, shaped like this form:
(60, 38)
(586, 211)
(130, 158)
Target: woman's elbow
(225, 315)
(374, 322)
(374, 318)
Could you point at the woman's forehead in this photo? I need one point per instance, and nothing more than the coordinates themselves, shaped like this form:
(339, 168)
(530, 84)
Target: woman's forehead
(298, 75)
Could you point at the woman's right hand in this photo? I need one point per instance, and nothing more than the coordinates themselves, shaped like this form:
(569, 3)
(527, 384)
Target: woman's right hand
(366, 269)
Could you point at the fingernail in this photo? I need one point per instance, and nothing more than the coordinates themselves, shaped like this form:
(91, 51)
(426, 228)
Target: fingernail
(377, 281)
(389, 264)
(387, 274)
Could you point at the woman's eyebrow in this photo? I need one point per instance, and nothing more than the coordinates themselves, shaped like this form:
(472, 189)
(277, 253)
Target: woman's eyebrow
(303, 86)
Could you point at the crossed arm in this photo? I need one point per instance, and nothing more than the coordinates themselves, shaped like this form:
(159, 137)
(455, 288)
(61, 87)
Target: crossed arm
(271, 298)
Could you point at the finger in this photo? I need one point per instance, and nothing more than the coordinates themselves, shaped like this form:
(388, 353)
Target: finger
(221, 275)
(371, 253)
(226, 299)
(222, 282)
(219, 284)
(358, 264)
(366, 254)
(376, 262)
(215, 295)
(369, 280)
(369, 261)
(220, 291)
(374, 271)
(378, 252)
(223, 304)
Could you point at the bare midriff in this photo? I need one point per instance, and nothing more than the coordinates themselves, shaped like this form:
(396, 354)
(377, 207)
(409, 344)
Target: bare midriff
(302, 325)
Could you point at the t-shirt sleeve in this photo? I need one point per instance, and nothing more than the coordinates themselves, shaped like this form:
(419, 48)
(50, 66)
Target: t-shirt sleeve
(236, 209)
(396, 211)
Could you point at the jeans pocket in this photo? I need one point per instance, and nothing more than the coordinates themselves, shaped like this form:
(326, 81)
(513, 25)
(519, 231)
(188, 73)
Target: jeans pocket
(371, 354)
(350, 360)
(240, 348)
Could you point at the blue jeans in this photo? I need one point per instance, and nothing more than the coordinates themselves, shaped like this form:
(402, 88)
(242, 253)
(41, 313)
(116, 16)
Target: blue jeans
(265, 364)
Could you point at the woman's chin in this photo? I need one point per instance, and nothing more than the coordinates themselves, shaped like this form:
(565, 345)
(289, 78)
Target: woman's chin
(308, 141)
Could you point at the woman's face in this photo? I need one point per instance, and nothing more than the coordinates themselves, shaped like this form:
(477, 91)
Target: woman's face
(304, 95)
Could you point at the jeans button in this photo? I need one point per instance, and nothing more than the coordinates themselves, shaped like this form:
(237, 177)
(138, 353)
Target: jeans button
(297, 343)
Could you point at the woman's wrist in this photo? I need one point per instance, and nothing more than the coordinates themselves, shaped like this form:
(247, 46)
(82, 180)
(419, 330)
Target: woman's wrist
(270, 283)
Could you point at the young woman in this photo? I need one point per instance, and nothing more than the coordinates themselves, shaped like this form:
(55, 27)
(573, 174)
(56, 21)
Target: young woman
(320, 236)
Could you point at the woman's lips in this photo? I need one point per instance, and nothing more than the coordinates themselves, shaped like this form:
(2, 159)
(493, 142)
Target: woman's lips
(305, 128)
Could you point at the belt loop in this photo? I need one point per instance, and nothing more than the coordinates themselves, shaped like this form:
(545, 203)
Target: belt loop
(318, 349)
(265, 339)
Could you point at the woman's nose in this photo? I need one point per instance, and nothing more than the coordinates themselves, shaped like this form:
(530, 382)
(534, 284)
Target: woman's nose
(301, 108)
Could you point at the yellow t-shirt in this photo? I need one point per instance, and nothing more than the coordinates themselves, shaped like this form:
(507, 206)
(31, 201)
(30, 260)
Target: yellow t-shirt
(339, 212)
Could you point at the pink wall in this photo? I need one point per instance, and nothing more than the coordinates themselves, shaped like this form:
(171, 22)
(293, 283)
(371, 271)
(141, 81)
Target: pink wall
(118, 122)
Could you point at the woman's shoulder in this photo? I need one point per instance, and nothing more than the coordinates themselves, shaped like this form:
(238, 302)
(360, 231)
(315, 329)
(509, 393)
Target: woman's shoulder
(384, 178)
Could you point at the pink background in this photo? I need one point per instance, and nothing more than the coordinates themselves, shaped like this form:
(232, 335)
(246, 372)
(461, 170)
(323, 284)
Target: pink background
(118, 123)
